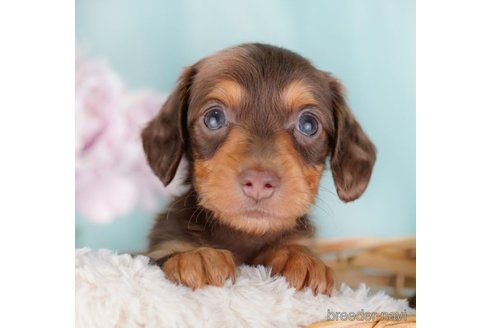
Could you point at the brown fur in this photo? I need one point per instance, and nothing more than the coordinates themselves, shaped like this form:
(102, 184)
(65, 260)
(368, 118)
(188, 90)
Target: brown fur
(169, 247)
(262, 90)
(201, 266)
(300, 267)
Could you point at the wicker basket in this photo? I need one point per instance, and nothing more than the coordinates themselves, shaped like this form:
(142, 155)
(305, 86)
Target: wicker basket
(380, 263)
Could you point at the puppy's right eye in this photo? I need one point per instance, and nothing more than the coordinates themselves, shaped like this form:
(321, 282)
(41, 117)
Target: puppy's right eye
(214, 118)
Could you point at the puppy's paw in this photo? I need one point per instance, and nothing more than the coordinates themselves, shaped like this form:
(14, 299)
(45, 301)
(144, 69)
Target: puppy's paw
(201, 266)
(300, 267)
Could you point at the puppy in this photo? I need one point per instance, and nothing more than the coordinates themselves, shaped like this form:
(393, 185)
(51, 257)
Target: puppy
(256, 123)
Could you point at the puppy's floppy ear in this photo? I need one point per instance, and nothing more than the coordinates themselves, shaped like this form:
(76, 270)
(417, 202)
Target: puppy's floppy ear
(165, 137)
(353, 154)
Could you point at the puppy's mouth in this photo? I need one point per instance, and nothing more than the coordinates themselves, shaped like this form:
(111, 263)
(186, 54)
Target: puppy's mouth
(256, 213)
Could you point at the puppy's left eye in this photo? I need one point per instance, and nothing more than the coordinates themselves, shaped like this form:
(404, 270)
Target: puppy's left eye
(214, 119)
(307, 125)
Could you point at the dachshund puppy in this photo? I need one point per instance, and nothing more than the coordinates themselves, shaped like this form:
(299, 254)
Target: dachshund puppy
(257, 124)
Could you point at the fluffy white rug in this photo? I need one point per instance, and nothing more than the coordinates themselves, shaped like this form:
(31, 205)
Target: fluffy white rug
(123, 291)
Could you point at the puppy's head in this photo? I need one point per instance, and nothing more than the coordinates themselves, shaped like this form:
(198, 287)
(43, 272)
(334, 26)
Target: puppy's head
(258, 123)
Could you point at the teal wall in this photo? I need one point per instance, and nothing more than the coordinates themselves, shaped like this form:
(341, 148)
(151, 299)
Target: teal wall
(368, 44)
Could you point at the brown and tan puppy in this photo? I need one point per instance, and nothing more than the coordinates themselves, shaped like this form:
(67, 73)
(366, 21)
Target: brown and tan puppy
(257, 123)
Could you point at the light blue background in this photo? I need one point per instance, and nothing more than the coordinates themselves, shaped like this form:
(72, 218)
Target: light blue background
(368, 44)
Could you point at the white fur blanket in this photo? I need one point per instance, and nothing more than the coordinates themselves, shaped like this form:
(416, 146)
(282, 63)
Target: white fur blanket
(123, 291)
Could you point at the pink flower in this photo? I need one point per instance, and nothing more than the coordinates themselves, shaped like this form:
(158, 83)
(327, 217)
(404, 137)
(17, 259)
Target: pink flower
(111, 173)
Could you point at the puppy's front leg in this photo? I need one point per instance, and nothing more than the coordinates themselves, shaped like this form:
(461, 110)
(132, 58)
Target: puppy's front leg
(194, 266)
(299, 266)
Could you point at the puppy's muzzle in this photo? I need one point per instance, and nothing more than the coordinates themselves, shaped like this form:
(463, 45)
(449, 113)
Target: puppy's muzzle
(258, 184)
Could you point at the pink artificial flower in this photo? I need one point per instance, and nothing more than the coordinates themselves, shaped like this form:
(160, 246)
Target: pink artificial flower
(111, 172)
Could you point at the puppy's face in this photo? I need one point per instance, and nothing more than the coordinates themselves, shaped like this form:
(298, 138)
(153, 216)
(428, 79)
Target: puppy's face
(258, 123)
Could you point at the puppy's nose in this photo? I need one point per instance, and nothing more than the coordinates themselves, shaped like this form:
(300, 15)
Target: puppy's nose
(258, 184)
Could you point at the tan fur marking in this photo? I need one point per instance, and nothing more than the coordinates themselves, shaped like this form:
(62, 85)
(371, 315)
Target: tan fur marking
(228, 92)
(201, 266)
(298, 95)
(216, 183)
(300, 267)
(312, 174)
(169, 247)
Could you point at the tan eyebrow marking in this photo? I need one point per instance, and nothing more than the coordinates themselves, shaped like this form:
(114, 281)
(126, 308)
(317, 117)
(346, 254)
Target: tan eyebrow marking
(298, 94)
(228, 92)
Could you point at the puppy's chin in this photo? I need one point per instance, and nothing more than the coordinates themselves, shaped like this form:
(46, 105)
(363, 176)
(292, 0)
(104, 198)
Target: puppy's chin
(257, 222)
(259, 219)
